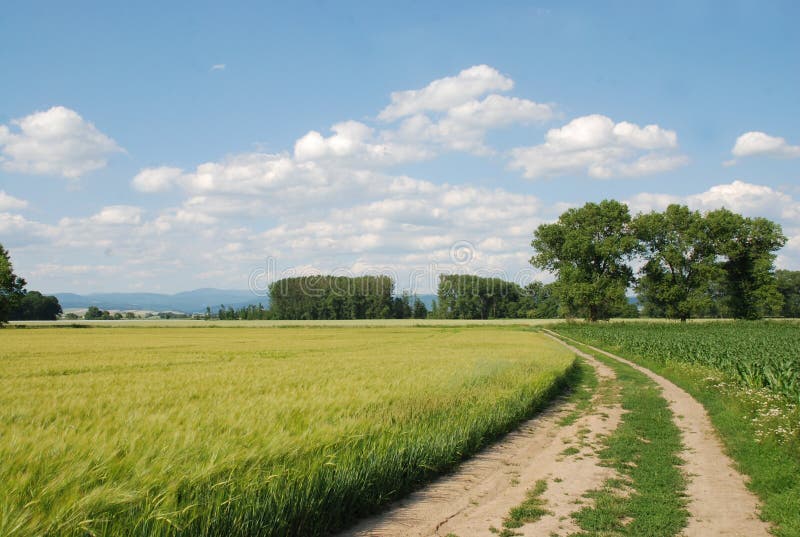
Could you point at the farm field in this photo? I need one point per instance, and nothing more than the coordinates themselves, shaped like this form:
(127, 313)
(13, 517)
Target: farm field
(257, 431)
(755, 354)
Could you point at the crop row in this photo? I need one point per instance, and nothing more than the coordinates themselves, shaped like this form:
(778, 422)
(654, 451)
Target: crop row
(756, 354)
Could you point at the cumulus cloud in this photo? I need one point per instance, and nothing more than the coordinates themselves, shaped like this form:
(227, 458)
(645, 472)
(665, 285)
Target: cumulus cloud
(258, 174)
(464, 127)
(420, 218)
(354, 142)
(18, 231)
(454, 113)
(596, 145)
(498, 111)
(321, 164)
(331, 202)
(57, 141)
(118, 214)
(445, 93)
(156, 179)
(10, 203)
(746, 198)
(245, 173)
(789, 257)
(756, 143)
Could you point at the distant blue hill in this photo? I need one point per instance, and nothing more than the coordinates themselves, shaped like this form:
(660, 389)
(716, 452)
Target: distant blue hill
(188, 301)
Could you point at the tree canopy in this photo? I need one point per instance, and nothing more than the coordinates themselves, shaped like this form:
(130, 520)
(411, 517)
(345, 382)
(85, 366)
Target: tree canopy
(34, 306)
(339, 297)
(718, 263)
(588, 249)
(748, 247)
(681, 261)
(463, 296)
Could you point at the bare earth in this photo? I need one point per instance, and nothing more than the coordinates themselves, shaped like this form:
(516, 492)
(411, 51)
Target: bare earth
(480, 494)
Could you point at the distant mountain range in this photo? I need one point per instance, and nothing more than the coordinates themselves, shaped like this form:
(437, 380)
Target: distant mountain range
(187, 302)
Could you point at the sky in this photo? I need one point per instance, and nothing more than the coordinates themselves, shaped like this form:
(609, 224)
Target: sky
(169, 146)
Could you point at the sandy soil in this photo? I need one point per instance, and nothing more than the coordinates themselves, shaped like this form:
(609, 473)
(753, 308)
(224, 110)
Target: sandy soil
(719, 502)
(480, 494)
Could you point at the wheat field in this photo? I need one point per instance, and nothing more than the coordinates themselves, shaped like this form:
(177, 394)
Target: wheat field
(248, 431)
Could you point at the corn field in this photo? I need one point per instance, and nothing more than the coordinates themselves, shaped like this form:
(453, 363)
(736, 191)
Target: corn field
(756, 354)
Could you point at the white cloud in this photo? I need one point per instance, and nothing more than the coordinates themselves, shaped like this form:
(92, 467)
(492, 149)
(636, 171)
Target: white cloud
(322, 165)
(218, 67)
(464, 127)
(57, 141)
(354, 143)
(746, 198)
(245, 173)
(421, 220)
(329, 202)
(118, 214)
(18, 231)
(757, 143)
(498, 110)
(446, 93)
(156, 179)
(601, 148)
(645, 202)
(9, 202)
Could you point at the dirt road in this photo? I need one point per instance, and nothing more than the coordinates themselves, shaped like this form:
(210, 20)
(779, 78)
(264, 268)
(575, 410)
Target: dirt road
(474, 500)
(719, 502)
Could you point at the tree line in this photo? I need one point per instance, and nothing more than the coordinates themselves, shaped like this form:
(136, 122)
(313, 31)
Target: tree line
(462, 296)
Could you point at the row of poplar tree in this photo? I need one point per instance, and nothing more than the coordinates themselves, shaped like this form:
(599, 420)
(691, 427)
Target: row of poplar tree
(331, 298)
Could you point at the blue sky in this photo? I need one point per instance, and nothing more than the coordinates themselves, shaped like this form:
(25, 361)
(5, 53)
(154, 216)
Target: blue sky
(166, 147)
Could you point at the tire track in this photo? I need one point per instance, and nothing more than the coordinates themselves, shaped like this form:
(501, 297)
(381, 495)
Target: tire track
(719, 502)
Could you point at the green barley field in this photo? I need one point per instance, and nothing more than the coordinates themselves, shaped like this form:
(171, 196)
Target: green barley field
(248, 431)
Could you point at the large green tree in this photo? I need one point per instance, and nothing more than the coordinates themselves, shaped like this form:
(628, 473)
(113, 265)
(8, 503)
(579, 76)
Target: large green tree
(747, 247)
(680, 262)
(12, 287)
(588, 249)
